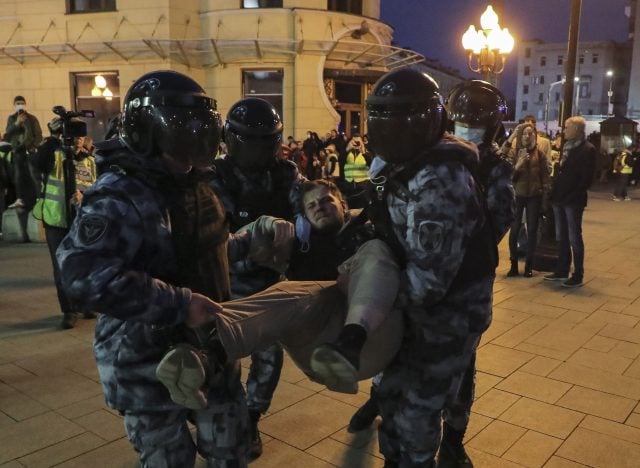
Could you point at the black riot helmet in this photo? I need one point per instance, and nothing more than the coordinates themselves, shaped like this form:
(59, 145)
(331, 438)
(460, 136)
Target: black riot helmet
(168, 112)
(477, 109)
(405, 115)
(253, 133)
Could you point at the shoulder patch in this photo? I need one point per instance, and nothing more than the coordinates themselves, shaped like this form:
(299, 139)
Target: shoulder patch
(92, 228)
(431, 236)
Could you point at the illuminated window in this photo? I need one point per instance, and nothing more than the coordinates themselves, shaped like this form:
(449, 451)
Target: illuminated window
(265, 84)
(90, 6)
(261, 3)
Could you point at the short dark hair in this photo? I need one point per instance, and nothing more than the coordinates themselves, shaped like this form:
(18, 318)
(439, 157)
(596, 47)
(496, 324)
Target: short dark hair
(530, 118)
(19, 98)
(310, 185)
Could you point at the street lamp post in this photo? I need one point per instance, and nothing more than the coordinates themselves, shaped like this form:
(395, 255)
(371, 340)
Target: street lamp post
(488, 46)
(610, 92)
(546, 108)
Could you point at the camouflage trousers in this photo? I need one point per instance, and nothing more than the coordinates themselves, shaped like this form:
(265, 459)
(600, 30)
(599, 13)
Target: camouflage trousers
(458, 412)
(416, 391)
(163, 440)
(263, 378)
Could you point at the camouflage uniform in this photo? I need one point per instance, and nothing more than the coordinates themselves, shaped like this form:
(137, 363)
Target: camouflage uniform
(495, 177)
(129, 255)
(446, 305)
(276, 193)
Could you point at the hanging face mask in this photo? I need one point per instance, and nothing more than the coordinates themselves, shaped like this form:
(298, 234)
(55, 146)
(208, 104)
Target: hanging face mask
(472, 134)
(20, 107)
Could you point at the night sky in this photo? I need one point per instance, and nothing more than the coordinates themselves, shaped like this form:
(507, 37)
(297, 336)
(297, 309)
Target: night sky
(434, 28)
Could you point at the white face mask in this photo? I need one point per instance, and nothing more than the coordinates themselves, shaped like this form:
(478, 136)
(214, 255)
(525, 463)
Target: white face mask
(472, 134)
(20, 107)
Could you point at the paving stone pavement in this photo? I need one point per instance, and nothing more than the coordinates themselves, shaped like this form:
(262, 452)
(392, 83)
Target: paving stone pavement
(558, 381)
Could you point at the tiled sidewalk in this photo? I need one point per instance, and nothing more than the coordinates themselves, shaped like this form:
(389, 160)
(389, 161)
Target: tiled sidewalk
(558, 380)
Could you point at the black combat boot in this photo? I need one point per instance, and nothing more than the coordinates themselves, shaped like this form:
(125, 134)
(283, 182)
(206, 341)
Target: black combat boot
(366, 414)
(255, 442)
(336, 364)
(452, 453)
(514, 268)
(528, 269)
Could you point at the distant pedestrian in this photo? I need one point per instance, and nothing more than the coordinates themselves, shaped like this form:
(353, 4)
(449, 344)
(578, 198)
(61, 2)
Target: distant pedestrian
(569, 198)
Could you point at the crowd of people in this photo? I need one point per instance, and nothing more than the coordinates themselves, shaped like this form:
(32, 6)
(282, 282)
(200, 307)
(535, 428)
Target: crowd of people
(200, 241)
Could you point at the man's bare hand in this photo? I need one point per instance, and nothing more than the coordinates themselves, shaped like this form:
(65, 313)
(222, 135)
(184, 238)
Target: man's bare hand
(202, 310)
(284, 234)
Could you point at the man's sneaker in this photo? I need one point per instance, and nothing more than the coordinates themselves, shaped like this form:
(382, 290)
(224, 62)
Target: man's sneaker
(333, 369)
(364, 417)
(627, 198)
(182, 371)
(616, 199)
(572, 282)
(69, 320)
(555, 277)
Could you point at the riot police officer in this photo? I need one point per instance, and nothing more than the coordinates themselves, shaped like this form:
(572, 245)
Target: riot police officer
(437, 225)
(148, 249)
(252, 181)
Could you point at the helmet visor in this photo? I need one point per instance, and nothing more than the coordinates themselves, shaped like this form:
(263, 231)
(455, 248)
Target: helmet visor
(188, 135)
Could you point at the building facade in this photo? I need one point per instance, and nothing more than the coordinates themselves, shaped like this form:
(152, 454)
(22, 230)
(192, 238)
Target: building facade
(602, 79)
(315, 60)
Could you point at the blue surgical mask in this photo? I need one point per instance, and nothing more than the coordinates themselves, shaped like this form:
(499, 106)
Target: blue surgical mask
(472, 134)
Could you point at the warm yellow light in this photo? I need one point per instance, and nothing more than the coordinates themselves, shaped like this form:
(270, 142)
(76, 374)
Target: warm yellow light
(507, 42)
(494, 39)
(96, 92)
(481, 42)
(609, 73)
(100, 81)
(469, 38)
(108, 95)
(489, 19)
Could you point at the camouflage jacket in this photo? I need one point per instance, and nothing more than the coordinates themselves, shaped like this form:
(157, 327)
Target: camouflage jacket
(120, 259)
(246, 197)
(434, 224)
(498, 189)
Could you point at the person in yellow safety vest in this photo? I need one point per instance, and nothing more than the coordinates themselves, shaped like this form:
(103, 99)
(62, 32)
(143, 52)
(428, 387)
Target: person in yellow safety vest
(67, 173)
(623, 165)
(356, 173)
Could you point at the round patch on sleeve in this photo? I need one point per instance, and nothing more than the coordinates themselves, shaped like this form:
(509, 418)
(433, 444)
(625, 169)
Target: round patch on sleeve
(92, 228)
(431, 236)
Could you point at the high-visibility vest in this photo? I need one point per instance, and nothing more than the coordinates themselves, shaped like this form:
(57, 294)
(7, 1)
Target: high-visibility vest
(626, 168)
(355, 168)
(55, 204)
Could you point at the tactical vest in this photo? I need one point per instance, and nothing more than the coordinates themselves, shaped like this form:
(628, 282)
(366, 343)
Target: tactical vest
(481, 255)
(248, 198)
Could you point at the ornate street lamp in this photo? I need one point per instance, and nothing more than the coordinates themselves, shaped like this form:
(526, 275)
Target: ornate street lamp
(487, 47)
